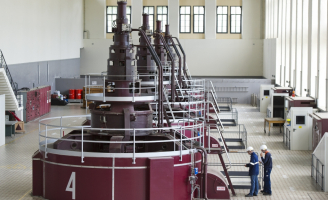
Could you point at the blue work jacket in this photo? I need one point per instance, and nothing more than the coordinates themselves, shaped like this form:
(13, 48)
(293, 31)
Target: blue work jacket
(267, 161)
(253, 165)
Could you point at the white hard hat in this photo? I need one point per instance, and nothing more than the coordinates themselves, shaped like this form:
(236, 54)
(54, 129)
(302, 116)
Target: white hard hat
(250, 148)
(263, 147)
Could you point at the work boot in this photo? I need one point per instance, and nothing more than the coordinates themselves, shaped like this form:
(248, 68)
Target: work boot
(262, 191)
(248, 195)
(254, 194)
(267, 194)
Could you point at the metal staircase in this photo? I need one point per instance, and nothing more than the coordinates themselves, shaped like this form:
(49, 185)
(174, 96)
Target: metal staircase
(7, 85)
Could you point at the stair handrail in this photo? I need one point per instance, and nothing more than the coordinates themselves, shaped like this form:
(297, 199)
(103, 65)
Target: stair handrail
(5, 66)
(168, 102)
(216, 96)
(216, 103)
(224, 145)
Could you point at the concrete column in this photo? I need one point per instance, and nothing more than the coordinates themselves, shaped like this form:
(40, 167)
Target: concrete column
(136, 21)
(174, 17)
(210, 19)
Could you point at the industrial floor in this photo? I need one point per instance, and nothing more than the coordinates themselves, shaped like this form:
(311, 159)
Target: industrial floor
(291, 174)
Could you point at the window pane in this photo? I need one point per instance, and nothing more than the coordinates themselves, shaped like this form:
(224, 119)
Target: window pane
(159, 10)
(151, 10)
(195, 10)
(165, 10)
(219, 10)
(183, 10)
(201, 10)
(188, 10)
(225, 10)
(238, 10)
(233, 10)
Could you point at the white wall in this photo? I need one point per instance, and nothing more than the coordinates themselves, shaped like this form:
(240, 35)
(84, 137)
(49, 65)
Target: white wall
(95, 18)
(40, 30)
(205, 57)
(2, 120)
(269, 58)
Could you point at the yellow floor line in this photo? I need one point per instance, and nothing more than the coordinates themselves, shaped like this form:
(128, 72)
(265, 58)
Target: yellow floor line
(25, 194)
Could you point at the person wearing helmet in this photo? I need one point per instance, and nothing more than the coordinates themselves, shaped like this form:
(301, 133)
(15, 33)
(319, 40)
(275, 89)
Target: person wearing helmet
(253, 172)
(267, 162)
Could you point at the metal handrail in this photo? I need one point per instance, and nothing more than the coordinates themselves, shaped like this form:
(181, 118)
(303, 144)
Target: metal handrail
(168, 102)
(5, 66)
(181, 129)
(216, 103)
(224, 145)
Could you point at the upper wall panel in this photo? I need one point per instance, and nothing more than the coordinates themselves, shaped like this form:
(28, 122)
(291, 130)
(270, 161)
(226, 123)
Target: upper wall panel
(41, 30)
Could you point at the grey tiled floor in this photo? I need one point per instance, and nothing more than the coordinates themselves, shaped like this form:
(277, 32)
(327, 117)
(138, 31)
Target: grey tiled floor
(290, 176)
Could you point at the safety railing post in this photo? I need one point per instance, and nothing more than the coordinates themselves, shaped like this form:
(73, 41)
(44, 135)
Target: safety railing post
(45, 151)
(39, 134)
(61, 127)
(134, 147)
(180, 143)
(208, 139)
(133, 85)
(85, 95)
(104, 100)
(82, 153)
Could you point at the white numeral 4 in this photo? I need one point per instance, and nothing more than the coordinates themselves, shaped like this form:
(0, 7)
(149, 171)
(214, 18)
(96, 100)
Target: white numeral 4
(71, 182)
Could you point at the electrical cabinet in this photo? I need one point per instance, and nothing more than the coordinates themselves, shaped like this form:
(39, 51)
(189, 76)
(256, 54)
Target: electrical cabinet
(298, 134)
(36, 102)
(265, 91)
(320, 127)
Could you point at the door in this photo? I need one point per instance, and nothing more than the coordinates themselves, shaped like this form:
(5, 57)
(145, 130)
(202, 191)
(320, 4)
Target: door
(301, 130)
(265, 91)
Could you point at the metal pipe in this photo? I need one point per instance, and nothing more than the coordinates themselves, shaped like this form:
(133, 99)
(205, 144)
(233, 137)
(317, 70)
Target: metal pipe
(169, 53)
(160, 75)
(178, 54)
(204, 169)
(184, 56)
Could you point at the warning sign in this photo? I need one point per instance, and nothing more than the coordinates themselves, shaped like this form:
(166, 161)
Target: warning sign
(215, 145)
(300, 127)
(220, 188)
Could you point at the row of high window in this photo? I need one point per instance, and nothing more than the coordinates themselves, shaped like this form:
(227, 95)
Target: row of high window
(186, 17)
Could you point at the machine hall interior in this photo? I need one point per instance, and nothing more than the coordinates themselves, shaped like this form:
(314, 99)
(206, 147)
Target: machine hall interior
(159, 100)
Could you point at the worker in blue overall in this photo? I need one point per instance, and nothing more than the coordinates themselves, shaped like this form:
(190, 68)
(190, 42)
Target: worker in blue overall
(267, 162)
(253, 172)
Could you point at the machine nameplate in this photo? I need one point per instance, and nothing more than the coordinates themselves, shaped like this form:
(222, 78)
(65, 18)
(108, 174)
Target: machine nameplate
(220, 188)
(215, 145)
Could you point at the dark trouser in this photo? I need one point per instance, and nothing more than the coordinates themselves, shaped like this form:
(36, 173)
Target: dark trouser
(254, 185)
(267, 181)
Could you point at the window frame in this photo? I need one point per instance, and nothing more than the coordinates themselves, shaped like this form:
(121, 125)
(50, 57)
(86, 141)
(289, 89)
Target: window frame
(193, 20)
(128, 16)
(107, 18)
(217, 15)
(167, 17)
(180, 19)
(143, 9)
(241, 20)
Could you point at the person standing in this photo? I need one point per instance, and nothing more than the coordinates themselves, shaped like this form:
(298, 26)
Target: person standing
(253, 172)
(267, 162)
